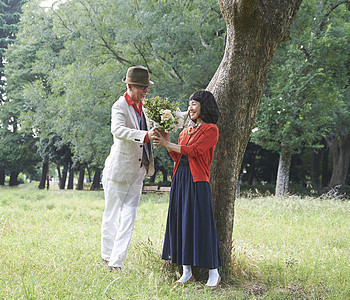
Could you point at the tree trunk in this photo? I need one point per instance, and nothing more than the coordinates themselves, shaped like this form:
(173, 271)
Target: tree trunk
(70, 178)
(316, 168)
(63, 180)
(44, 174)
(340, 148)
(2, 176)
(48, 181)
(164, 173)
(13, 179)
(96, 181)
(80, 184)
(153, 177)
(282, 181)
(59, 174)
(325, 175)
(251, 171)
(89, 174)
(254, 30)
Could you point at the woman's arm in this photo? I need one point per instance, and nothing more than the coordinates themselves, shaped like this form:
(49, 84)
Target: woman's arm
(162, 139)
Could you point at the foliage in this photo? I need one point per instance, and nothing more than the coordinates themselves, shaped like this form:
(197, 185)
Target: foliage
(10, 11)
(65, 70)
(306, 85)
(162, 113)
(306, 93)
(17, 148)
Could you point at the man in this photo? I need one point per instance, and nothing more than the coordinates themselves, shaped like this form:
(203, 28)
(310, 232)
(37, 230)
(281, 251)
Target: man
(129, 160)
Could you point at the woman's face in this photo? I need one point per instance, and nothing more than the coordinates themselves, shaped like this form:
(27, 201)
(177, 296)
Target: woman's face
(194, 109)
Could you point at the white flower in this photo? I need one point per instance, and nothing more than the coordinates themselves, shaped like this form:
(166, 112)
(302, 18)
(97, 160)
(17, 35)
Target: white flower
(166, 114)
(180, 118)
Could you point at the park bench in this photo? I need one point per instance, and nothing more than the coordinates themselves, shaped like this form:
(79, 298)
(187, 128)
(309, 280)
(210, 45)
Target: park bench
(155, 189)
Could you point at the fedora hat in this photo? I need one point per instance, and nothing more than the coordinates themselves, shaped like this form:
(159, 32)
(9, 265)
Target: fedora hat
(138, 75)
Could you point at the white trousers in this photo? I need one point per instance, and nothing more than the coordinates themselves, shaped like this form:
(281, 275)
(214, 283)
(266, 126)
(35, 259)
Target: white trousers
(121, 202)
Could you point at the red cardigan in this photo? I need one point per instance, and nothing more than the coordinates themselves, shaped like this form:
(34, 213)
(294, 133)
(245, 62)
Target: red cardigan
(199, 147)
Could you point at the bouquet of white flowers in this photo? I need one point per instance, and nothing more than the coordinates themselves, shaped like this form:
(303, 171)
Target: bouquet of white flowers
(163, 114)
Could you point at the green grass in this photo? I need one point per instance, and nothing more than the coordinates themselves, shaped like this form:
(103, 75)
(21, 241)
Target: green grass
(288, 248)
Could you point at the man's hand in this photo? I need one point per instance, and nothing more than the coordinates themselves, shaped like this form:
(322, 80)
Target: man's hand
(153, 133)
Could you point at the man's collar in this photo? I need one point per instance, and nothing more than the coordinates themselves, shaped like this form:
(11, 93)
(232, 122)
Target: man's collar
(132, 103)
(128, 99)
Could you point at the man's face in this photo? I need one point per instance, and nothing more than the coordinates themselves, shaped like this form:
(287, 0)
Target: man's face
(138, 92)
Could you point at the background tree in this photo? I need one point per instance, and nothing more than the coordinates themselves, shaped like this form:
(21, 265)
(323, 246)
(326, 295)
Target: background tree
(335, 25)
(25, 74)
(304, 89)
(10, 11)
(80, 51)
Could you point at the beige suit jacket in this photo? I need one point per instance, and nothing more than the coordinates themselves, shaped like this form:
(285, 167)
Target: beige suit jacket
(124, 160)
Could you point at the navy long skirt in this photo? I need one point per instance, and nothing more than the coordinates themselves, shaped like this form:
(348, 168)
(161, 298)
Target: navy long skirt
(190, 236)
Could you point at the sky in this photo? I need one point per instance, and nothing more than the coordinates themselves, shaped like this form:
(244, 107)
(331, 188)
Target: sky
(48, 3)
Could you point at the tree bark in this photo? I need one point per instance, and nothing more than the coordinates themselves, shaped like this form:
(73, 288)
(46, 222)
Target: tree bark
(47, 182)
(13, 179)
(63, 179)
(254, 30)
(59, 174)
(316, 168)
(44, 174)
(282, 181)
(80, 184)
(2, 176)
(70, 178)
(96, 181)
(340, 149)
(325, 175)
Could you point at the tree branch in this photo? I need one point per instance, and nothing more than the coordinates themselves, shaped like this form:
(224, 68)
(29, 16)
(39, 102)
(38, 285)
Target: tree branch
(331, 9)
(105, 43)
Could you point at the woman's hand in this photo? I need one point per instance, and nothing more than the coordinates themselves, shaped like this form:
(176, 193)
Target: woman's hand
(162, 140)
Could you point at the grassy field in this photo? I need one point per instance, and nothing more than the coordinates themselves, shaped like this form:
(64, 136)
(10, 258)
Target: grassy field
(289, 248)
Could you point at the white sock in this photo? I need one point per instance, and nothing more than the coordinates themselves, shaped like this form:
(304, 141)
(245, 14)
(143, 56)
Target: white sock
(187, 273)
(213, 277)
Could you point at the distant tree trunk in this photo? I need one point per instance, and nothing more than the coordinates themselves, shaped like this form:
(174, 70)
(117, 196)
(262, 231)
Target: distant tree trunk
(63, 180)
(316, 168)
(156, 169)
(59, 173)
(13, 179)
(325, 173)
(89, 174)
(254, 30)
(340, 148)
(44, 174)
(282, 181)
(80, 184)
(47, 182)
(96, 181)
(153, 177)
(2, 176)
(70, 178)
(164, 173)
(251, 171)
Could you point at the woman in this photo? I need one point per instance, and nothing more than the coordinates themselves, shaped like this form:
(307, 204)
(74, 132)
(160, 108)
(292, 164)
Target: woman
(190, 237)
